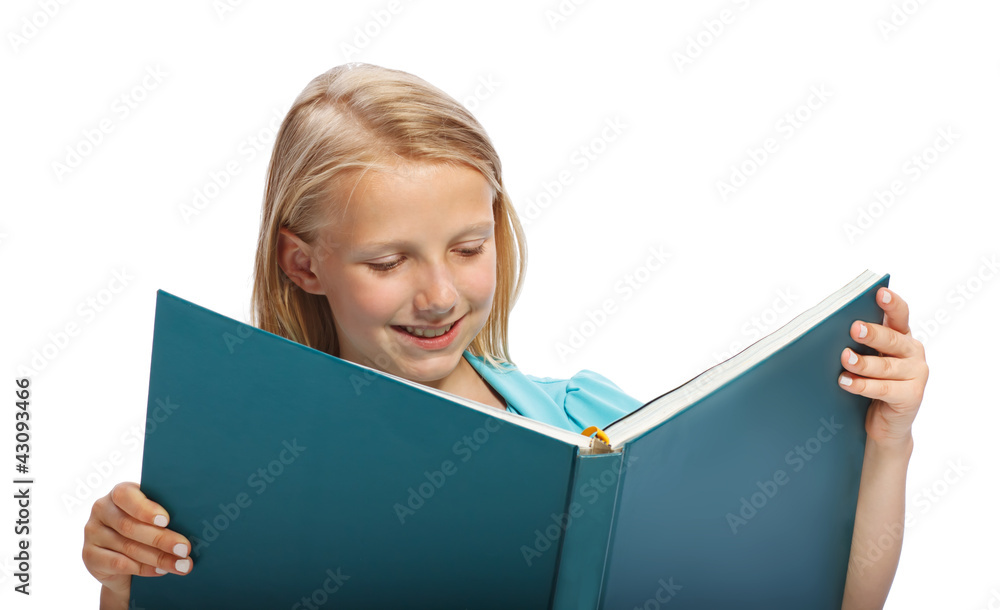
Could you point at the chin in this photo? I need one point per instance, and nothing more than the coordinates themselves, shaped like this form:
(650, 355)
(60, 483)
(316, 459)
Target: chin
(430, 370)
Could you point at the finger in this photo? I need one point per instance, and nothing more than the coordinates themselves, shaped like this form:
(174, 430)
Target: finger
(883, 339)
(897, 312)
(159, 561)
(112, 563)
(169, 541)
(128, 497)
(878, 367)
(887, 390)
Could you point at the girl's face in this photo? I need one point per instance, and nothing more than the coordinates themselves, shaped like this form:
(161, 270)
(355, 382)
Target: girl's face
(415, 250)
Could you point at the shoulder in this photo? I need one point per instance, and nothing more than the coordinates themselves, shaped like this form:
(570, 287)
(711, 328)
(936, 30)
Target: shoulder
(585, 399)
(589, 397)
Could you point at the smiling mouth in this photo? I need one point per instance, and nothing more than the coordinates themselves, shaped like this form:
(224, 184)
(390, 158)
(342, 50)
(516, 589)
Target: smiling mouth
(427, 332)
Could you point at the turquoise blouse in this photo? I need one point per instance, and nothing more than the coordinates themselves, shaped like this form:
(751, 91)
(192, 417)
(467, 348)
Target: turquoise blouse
(585, 399)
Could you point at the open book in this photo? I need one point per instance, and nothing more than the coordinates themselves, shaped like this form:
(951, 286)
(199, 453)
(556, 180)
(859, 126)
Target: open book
(303, 480)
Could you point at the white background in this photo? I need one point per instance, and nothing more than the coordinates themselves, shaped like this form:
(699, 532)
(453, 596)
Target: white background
(226, 74)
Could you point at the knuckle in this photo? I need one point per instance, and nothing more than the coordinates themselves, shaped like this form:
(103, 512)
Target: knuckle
(100, 507)
(166, 561)
(126, 526)
(120, 564)
(131, 548)
(891, 338)
(881, 389)
(885, 366)
(89, 529)
(118, 494)
(159, 540)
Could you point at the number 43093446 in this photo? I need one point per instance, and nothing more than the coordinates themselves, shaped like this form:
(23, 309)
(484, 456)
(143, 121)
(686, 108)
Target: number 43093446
(22, 436)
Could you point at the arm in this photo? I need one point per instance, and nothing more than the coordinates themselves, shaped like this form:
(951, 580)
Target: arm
(895, 380)
(111, 600)
(878, 525)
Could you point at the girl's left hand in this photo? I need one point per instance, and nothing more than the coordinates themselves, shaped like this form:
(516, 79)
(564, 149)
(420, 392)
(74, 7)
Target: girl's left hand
(895, 378)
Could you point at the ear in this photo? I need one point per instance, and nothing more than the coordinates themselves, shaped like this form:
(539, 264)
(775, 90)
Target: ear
(295, 257)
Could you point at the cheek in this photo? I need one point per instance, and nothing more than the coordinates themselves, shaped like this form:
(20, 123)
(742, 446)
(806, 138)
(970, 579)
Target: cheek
(481, 281)
(364, 300)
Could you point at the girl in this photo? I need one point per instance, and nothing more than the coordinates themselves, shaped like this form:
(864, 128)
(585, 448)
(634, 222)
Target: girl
(388, 239)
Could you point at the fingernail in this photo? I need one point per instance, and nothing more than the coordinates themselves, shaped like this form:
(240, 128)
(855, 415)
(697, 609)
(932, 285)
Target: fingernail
(863, 332)
(845, 380)
(160, 520)
(183, 565)
(852, 358)
(160, 571)
(181, 550)
(886, 297)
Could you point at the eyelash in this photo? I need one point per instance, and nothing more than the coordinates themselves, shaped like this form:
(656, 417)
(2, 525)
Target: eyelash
(385, 267)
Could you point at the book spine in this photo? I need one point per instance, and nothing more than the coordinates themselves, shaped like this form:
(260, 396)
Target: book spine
(588, 517)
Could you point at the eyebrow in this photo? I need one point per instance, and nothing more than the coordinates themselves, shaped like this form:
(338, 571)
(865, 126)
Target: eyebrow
(373, 246)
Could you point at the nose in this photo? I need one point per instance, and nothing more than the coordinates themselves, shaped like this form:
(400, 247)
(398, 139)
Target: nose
(437, 294)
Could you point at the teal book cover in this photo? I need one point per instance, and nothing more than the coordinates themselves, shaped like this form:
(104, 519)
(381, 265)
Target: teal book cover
(303, 480)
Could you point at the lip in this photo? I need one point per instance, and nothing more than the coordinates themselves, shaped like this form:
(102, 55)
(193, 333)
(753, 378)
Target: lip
(433, 343)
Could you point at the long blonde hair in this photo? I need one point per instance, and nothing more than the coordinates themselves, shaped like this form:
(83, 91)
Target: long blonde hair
(364, 117)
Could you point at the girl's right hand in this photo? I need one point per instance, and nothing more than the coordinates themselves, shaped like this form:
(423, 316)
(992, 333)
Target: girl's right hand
(125, 535)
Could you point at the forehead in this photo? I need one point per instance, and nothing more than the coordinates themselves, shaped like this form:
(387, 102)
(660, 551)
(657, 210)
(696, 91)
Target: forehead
(411, 199)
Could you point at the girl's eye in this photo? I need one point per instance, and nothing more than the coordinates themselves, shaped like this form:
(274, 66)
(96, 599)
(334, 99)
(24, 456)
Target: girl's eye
(385, 266)
(389, 266)
(474, 251)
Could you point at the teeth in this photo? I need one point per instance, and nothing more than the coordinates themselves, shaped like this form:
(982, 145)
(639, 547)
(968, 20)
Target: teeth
(420, 332)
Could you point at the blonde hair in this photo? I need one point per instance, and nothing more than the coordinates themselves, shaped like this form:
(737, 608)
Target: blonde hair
(360, 117)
